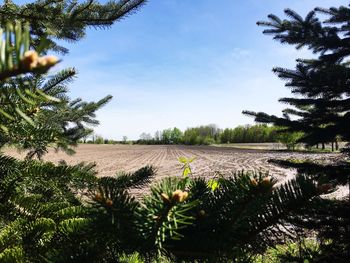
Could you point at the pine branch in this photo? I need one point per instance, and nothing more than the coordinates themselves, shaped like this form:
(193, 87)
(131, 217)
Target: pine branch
(64, 77)
(138, 179)
(68, 20)
(334, 173)
(237, 214)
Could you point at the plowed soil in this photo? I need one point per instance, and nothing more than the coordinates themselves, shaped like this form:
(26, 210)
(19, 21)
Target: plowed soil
(209, 160)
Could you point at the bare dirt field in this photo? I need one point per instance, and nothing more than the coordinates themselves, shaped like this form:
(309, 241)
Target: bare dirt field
(209, 159)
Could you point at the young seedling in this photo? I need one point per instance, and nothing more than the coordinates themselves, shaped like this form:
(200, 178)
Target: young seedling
(186, 168)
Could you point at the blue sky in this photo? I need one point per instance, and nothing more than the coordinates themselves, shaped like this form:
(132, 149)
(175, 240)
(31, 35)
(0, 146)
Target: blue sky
(185, 63)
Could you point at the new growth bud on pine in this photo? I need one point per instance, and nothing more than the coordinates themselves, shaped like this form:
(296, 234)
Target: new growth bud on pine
(32, 61)
(179, 196)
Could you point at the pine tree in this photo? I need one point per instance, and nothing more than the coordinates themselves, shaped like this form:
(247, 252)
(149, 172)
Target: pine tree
(321, 109)
(61, 122)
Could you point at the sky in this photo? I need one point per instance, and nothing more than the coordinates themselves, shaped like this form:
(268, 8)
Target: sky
(185, 63)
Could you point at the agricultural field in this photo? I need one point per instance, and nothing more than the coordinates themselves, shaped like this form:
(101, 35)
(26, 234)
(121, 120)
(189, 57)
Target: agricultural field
(210, 160)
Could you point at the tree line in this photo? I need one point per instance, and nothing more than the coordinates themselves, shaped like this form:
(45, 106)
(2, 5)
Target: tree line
(209, 134)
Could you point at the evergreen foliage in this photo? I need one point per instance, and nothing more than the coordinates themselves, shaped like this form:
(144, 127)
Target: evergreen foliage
(65, 20)
(38, 113)
(64, 213)
(15, 59)
(240, 215)
(321, 109)
(55, 120)
(41, 205)
(60, 123)
(330, 218)
(325, 173)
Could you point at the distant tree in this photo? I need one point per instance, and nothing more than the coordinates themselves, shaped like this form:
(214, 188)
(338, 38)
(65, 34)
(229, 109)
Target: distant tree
(146, 138)
(205, 134)
(167, 136)
(226, 135)
(290, 139)
(176, 135)
(158, 137)
(249, 134)
(99, 139)
(125, 139)
(191, 136)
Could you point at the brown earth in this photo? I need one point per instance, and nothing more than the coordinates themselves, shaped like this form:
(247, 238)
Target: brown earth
(209, 161)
